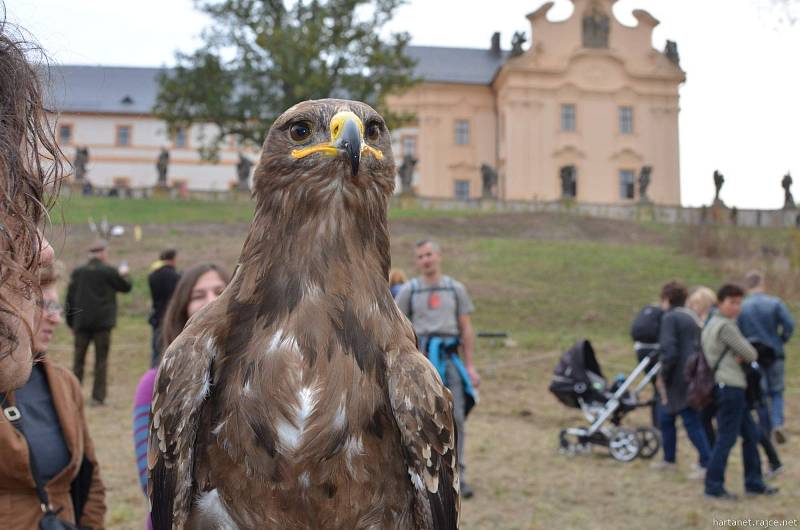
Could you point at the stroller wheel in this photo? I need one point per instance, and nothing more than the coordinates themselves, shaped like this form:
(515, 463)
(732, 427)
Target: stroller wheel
(623, 444)
(570, 445)
(649, 441)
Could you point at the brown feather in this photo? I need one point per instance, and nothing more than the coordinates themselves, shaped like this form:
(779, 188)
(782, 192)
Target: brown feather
(318, 412)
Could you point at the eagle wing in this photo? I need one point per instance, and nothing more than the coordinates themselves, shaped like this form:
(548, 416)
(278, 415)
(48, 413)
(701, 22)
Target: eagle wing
(423, 410)
(180, 391)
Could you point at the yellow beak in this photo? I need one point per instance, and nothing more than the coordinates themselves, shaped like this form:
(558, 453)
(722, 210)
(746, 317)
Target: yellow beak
(347, 136)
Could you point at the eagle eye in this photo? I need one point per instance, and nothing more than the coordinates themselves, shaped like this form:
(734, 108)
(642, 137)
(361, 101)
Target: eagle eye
(300, 131)
(373, 132)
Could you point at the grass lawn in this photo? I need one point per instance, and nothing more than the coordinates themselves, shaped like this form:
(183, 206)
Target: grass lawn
(76, 209)
(548, 281)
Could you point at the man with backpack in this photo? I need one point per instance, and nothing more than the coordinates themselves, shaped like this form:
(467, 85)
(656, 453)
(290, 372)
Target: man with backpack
(767, 323)
(726, 350)
(439, 308)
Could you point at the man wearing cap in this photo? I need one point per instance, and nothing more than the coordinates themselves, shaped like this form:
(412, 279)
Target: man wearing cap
(91, 312)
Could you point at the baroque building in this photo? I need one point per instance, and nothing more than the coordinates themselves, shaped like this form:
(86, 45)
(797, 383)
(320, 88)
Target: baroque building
(577, 114)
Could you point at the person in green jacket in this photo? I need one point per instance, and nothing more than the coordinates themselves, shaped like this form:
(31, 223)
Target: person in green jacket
(726, 350)
(92, 312)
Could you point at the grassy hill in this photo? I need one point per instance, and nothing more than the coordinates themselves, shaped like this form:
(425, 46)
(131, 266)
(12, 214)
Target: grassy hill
(547, 280)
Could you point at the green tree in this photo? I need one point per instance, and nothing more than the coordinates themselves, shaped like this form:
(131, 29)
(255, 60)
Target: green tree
(260, 57)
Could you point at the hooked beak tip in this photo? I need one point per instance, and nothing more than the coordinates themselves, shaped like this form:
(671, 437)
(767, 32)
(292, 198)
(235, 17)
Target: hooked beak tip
(351, 144)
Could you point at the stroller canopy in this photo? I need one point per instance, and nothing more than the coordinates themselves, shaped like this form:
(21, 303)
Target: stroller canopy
(577, 375)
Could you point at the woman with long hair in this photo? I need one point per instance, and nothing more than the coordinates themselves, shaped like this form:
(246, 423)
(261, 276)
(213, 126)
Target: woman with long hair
(31, 170)
(49, 443)
(197, 287)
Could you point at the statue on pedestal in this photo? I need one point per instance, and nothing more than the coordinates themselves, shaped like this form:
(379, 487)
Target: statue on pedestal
(517, 40)
(596, 25)
(788, 198)
(406, 173)
(644, 183)
(489, 181)
(719, 181)
(80, 162)
(243, 168)
(162, 165)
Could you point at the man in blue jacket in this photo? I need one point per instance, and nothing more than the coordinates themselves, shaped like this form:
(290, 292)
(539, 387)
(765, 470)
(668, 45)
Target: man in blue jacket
(766, 321)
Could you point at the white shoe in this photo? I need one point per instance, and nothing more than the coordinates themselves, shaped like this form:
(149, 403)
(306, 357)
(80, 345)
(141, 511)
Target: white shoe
(772, 473)
(663, 465)
(697, 474)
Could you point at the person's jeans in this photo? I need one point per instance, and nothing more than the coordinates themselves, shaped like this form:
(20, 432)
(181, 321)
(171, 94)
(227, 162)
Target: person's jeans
(765, 424)
(456, 386)
(775, 383)
(102, 343)
(733, 419)
(694, 429)
(156, 347)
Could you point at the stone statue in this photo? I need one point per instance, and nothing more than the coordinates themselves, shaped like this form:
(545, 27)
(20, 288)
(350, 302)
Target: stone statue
(80, 162)
(788, 198)
(406, 173)
(489, 180)
(671, 51)
(569, 182)
(596, 26)
(161, 166)
(517, 40)
(719, 180)
(644, 183)
(243, 168)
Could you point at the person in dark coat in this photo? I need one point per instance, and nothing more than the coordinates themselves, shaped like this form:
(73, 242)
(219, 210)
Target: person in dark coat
(162, 283)
(92, 312)
(679, 338)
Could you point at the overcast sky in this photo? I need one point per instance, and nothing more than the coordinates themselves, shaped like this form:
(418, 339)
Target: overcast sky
(740, 109)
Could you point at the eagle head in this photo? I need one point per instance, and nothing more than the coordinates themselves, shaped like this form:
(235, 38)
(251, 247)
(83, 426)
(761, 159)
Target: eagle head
(326, 146)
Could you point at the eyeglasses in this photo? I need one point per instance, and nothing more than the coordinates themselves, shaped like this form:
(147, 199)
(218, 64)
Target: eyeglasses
(51, 307)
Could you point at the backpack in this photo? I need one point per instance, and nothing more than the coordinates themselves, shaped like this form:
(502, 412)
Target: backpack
(647, 324)
(700, 379)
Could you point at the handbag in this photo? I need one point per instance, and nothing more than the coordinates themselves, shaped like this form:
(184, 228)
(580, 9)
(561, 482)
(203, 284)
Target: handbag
(753, 393)
(766, 354)
(49, 520)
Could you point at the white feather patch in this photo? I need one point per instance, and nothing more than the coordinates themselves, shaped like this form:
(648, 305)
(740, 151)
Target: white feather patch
(416, 480)
(213, 513)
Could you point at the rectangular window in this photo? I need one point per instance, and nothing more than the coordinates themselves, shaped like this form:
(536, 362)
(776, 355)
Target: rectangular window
(568, 117)
(626, 120)
(462, 132)
(180, 137)
(462, 190)
(123, 135)
(409, 145)
(627, 188)
(65, 134)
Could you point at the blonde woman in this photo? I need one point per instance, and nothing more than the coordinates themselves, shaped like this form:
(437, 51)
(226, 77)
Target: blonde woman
(701, 302)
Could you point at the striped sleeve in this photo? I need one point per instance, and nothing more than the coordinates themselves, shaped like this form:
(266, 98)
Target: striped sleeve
(730, 335)
(141, 423)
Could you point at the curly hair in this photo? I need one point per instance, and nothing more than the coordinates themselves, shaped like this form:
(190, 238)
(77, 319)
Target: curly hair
(31, 168)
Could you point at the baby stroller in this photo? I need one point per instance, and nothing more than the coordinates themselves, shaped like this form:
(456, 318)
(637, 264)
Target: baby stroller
(578, 382)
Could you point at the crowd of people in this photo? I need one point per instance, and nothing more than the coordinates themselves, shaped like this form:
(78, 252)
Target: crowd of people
(741, 332)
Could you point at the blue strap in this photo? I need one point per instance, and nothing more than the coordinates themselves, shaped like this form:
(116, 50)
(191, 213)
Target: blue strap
(437, 349)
